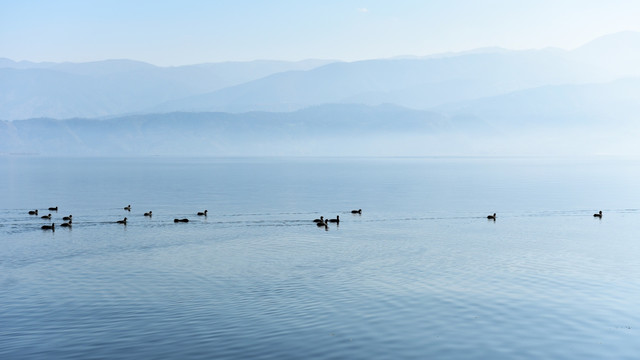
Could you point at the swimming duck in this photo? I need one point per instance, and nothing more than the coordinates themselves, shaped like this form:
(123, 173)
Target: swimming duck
(323, 224)
(321, 220)
(492, 217)
(128, 207)
(203, 213)
(336, 220)
(148, 213)
(51, 227)
(67, 224)
(598, 214)
(33, 212)
(53, 208)
(46, 217)
(180, 220)
(67, 217)
(123, 221)
(359, 211)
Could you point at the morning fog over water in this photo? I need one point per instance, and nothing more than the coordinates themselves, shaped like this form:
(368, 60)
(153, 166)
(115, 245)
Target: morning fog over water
(420, 273)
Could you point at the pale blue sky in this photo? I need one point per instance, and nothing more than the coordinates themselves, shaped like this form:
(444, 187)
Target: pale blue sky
(188, 32)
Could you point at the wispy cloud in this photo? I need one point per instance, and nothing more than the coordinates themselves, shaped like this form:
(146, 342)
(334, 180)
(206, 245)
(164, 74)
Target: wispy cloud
(363, 10)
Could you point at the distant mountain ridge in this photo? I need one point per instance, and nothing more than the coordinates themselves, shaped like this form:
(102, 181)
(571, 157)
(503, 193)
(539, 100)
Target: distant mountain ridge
(488, 101)
(419, 83)
(425, 82)
(116, 87)
(256, 133)
(608, 105)
(559, 119)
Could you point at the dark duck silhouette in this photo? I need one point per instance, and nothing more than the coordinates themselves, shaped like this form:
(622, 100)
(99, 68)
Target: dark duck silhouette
(45, 216)
(321, 220)
(336, 220)
(67, 224)
(150, 213)
(203, 213)
(67, 217)
(598, 214)
(180, 220)
(492, 217)
(33, 212)
(53, 208)
(51, 227)
(123, 221)
(359, 211)
(323, 224)
(128, 207)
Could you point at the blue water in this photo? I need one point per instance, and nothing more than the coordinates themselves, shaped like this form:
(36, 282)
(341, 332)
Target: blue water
(420, 274)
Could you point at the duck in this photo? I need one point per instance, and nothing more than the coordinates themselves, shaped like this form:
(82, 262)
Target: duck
(45, 216)
(123, 221)
(148, 213)
(53, 208)
(180, 220)
(336, 220)
(67, 224)
(359, 211)
(33, 212)
(67, 217)
(323, 223)
(51, 227)
(128, 207)
(321, 220)
(598, 214)
(203, 213)
(492, 217)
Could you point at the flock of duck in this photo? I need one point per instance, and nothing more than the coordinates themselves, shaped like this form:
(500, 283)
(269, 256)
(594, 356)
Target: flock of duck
(320, 222)
(69, 219)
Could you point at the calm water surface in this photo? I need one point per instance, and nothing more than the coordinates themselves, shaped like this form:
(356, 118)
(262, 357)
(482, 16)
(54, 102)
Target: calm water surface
(420, 274)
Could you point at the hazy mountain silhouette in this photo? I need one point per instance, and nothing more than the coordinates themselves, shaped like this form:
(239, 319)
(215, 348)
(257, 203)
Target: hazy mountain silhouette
(111, 87)
(607, 105)
(116, 87)
(559, 119)
(418, 83)
(486, 101)
(254, 133)
(424, 82)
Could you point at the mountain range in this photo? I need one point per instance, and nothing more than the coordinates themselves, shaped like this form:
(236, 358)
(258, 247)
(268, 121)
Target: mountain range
(116, 87)
(482, 101)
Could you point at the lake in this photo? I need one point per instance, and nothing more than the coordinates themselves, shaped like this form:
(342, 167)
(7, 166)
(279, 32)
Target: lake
(421, 273)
